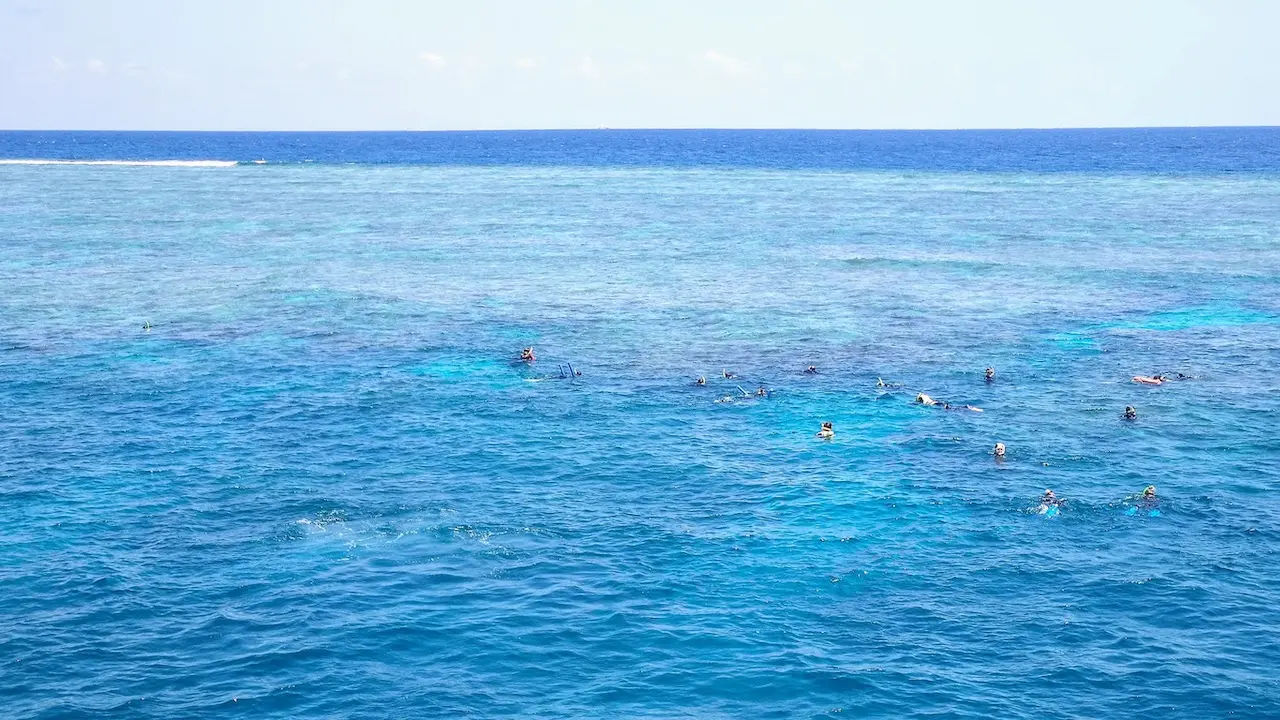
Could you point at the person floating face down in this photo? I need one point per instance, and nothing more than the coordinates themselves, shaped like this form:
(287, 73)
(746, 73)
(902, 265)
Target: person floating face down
(925, 400)
(827, 432)
(1148, 498)
(990, 374)
(526, 355)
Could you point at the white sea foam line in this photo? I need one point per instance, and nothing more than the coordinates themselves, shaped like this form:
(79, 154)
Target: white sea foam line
(134, 163)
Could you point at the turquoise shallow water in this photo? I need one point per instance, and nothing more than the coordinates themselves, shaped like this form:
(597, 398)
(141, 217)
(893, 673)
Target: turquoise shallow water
(319, 487)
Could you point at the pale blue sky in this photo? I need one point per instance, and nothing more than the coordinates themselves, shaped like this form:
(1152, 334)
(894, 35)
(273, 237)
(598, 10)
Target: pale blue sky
(383, 64)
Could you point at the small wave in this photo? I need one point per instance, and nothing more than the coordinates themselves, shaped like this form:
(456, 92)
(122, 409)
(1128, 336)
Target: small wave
(919, 262)
(129, 163)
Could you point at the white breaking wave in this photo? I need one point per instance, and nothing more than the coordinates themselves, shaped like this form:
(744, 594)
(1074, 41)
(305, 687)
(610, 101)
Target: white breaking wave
(132, 163)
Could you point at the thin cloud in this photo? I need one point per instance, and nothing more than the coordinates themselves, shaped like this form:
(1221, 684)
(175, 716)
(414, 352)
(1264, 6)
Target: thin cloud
(433, 61)
(733, 66)
(526, 63)
(96, 67)
(588, 68)
(58, 64)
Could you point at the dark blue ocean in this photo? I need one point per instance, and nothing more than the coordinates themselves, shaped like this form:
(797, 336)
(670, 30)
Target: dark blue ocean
(266, 450)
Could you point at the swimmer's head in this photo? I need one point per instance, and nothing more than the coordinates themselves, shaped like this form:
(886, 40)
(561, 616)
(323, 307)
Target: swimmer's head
(991, 373)
(1149, 491)
(1048, 495)
(999, 450)
(702, 380)
(811, 369)
(1129, 412)
(762, 392)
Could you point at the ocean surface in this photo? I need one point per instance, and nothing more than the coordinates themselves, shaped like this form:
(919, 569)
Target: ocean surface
(266, 452)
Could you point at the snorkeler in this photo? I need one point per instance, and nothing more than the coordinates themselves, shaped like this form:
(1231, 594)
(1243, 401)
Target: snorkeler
(526, 355)
(1149, 379)
(146, 326)
(990, 374)
(762, 392)
(925, 400)
(811, 370)
(702, 380)
(727, 375)
(1050, 504)
(827, 432)
(998, 451)
(568, 371)
(1148, 500)
(1130, 413)
(1146, 503)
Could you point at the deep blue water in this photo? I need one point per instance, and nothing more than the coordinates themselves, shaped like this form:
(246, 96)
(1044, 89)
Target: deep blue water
(1109, 151)
(318, 486)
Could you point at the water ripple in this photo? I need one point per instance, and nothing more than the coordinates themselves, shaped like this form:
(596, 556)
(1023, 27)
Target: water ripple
(318, 484)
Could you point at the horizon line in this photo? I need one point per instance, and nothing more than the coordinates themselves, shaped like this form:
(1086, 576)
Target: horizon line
(654, 129)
